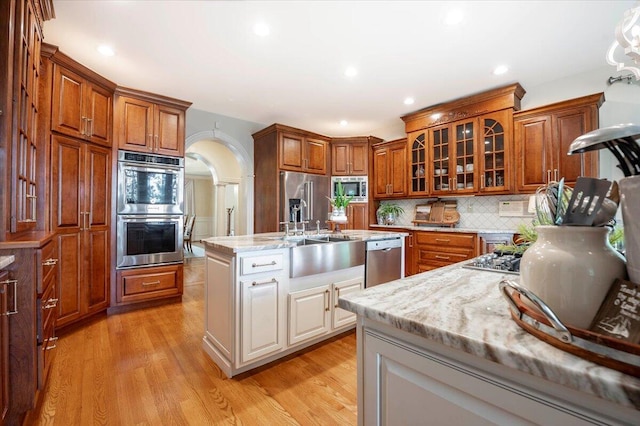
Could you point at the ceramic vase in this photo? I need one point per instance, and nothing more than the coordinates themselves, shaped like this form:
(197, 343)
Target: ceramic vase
(339, 215)
(571, 268)
(630, 206)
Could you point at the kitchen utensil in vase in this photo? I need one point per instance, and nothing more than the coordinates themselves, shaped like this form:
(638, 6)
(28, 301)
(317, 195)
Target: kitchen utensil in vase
(630, 205)
(586, 200)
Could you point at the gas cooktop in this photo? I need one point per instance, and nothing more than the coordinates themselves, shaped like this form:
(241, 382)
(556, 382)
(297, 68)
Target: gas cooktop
(496, 262)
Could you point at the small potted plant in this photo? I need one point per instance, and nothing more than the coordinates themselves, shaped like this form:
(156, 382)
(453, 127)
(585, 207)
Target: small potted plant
(387, 213)
(340, 203)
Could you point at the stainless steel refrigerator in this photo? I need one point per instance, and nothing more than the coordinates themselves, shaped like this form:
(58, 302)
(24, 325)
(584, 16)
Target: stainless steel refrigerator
(303, 197)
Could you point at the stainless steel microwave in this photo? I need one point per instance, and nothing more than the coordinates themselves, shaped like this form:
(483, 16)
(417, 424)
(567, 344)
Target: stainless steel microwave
(356, 186)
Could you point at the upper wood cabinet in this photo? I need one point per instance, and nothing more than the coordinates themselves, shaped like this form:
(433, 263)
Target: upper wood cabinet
(542, 139)
(464, 146)
(302, 152)
(389, 169)
(150, 123)
(80, 107)
(350, 156)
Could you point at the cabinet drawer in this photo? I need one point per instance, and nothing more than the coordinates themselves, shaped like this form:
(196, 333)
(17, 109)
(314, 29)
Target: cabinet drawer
(257, 264)
(446, 239)
(433, 257)
(48, 262)
(147, 283)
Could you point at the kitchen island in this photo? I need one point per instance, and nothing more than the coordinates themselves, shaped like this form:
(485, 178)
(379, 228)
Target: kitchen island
(262, 303)
(441, 348)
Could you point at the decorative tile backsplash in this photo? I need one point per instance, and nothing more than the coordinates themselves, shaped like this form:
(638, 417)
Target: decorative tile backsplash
(475, 212)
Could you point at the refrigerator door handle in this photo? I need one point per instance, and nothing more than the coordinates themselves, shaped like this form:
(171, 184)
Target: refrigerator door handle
(310, 206)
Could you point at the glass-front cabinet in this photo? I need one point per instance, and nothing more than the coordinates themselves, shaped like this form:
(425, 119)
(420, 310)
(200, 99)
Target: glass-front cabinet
(418, 161)
(453, 164)
(494, 146)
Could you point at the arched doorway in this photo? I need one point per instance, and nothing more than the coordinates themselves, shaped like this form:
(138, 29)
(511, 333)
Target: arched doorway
(231, 172)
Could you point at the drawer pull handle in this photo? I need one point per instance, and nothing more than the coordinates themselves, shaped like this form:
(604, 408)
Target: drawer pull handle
(442, 257)
(326, 295)
(15, 296)
(443, 240)
(260, 265)
(151, 283)
(49, 347)
(51, 303)
(50, 262)
(337, 297)
(272, 280)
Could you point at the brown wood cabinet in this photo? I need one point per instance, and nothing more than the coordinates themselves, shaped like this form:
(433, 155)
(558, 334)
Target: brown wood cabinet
(350, 156)
(300, 152)
(20, 110)
(34, 273)
(80, 107)
(464, 146)
(389, 169)
(142, 284)
(81, 219)
(542, 139)
(150, 123)
(357, 216)
(436, 249)
(268, 147)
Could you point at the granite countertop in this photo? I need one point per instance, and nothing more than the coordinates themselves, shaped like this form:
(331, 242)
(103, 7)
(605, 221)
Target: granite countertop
(464, 309)
(445, 229)
(274, 240)
(6, 261)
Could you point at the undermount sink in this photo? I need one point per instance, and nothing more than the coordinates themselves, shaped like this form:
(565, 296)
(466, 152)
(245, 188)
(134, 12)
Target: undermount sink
(325, 253)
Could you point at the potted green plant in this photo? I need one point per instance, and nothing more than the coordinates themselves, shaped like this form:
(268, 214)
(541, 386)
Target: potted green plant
(340, 202)
(387, 213)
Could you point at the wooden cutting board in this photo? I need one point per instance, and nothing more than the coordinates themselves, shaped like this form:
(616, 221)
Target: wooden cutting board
(437, 212)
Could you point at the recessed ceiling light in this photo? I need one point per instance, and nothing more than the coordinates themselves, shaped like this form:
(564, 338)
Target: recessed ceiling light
(454, 17)
(351, 72)
(261, 29)
(343, 122)
(409, 101)
(499, 70)
(106, 50)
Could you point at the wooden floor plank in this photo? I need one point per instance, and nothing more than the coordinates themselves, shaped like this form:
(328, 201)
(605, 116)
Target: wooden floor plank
(147, 367)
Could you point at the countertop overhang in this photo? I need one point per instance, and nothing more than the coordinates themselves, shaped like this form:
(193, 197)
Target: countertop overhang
(271, 240)
(464, 309)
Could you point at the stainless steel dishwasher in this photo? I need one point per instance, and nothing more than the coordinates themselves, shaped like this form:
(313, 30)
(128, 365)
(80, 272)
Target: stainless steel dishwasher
(383, 262)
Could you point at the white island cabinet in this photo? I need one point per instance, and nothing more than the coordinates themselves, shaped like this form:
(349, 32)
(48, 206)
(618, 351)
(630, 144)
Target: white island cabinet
(440, 348)
(255, 313)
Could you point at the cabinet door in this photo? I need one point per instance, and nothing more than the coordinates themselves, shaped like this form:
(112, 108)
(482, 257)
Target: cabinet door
(68, 222)
(219, 302)
(97, 231)
(169, 131)
(292, 151)
(67, 116)
(359, 159)
(568, 125)
(309, 312)
(464, 157)
(398, 170)
(494, 149)
(260, 318)
(357, 216)
(134, 124)
(418, 163)
(340, 159)
(316, 156)
(380, 172)
(342, 318)
(97, 107)
(440, 150)
(533, 162)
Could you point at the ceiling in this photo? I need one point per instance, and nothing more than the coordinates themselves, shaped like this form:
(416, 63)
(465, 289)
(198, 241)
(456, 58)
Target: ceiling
(206, 52)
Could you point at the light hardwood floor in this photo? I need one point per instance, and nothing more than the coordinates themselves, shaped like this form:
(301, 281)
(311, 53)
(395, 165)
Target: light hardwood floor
(147, 367)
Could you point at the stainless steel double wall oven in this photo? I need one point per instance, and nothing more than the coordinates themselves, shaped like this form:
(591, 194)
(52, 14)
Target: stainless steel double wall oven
(150, 207)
